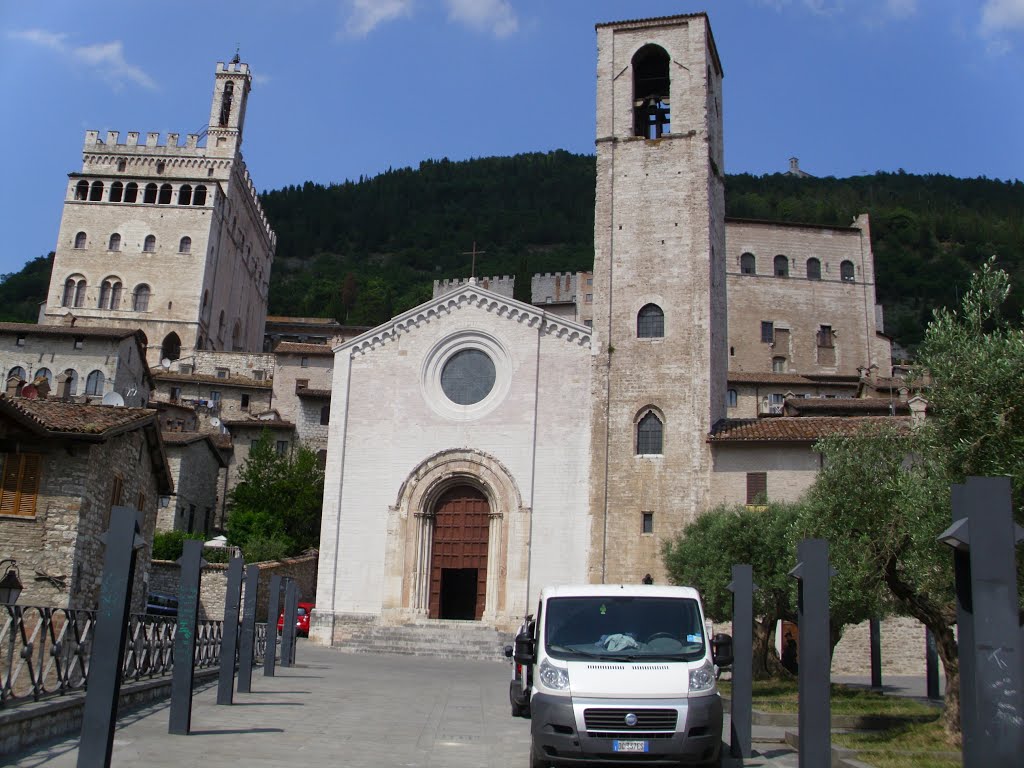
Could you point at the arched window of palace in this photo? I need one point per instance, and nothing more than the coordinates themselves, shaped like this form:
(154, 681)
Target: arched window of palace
(813, 269)
(748, 264)
(149, 196)
(781, 266)
(131, 192)
(166, 192)
(96, 191)
(140, 299)
(846, 272)
(94, 383)
(650, 322)
(649, 435)
(185, 194)
(80, 240)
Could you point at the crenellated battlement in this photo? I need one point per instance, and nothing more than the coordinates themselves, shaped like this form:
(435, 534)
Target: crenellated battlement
(151, 144)
(255, 199)
(235, 67)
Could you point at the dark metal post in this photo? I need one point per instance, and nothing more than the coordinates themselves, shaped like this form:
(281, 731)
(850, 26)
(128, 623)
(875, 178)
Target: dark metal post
(273, 600)
(931, 665)
(815, 717)
(741, 713)
(876, 653)
(996, 650)
(183, 672)
(229, 641)
(288, 628)
(247, 646)
(104, 681)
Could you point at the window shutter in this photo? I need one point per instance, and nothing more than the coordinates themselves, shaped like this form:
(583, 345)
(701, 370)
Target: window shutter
(20, 484)
(9, 488)
(29, 484)
(757, 487)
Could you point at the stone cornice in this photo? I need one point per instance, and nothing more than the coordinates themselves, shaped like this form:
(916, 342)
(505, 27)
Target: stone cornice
(470, 295)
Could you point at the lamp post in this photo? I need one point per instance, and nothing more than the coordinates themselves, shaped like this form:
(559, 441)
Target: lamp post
(10, 584)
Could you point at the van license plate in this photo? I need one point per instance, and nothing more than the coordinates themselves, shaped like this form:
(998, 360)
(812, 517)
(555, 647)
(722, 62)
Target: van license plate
(629, 746)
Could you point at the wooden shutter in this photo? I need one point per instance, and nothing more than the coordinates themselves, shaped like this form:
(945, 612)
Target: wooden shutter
(20, 484)
(757, 487)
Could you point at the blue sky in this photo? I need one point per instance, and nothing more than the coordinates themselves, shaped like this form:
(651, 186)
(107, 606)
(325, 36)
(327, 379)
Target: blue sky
(350, 87)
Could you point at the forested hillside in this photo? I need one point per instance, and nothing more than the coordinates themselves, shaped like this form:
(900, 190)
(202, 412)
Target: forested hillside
(363, 250)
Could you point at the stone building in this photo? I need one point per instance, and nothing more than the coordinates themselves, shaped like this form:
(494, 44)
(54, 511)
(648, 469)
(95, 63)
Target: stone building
(195, 464)
(64, 465)
(302, 390)
(307, 330)
(480, 447)
(167, 237)
(81, 362)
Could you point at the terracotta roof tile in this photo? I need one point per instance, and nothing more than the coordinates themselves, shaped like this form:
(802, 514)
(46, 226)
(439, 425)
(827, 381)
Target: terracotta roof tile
(797, 429)
(74, 418)
(295, 348)
(259, 424)
(756, 377)
(844, 406)
(91, 332)
(230, 381)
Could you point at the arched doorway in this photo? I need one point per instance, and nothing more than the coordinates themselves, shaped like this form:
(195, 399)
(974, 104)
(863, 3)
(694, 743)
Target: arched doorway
(458, 561)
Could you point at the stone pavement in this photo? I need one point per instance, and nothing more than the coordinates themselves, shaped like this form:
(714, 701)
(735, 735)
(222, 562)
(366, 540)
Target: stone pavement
(355, 710)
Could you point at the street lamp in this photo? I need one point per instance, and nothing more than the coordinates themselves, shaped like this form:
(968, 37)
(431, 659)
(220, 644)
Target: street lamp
(10, 584)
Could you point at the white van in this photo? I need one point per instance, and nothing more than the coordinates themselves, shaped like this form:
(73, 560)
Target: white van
(621, 674)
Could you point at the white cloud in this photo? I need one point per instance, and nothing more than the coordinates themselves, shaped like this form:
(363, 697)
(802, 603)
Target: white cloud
(260, 79)
(366, 15)
(103, 59)
(1002, 15)
(494, 15)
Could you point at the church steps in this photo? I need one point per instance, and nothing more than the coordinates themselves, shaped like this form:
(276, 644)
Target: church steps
(438, 639)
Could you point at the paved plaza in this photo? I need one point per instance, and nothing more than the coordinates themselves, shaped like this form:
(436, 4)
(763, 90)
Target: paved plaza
(343, 709)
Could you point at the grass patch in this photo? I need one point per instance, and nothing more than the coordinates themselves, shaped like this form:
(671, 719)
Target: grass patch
(896, 747)
(782, 696)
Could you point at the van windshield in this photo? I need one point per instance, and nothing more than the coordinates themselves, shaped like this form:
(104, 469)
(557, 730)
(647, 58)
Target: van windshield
(624, 628)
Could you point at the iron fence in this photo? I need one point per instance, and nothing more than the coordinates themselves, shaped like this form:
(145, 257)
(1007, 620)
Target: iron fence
(46, 651)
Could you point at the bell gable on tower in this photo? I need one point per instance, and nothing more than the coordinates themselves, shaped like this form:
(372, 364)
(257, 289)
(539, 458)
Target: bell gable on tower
(227, 110)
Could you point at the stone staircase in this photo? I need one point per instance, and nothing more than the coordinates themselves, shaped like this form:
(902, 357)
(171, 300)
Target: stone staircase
(444, 639)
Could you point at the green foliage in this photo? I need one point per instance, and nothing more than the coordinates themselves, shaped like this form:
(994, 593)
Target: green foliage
(168, 545)
(275, 508)
(21, 292)
(260, 549)
(703, 554)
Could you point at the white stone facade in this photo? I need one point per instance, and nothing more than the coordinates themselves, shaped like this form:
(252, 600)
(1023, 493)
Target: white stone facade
(397, 442)
(167, 237)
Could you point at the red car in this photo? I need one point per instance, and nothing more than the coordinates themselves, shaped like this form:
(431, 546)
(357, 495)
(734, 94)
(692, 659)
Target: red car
(301, 620)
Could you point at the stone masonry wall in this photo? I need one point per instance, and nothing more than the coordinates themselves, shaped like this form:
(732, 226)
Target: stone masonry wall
(903, 648)
(213, 585)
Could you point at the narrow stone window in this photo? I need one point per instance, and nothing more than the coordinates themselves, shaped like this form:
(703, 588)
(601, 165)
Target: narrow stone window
(813, 269)
(161, 166)
(82, 190)
(94, 383)
(80, 239)
(185, 246)
(20, 340)
(115, 242)
(225, 103)
(757, 488)
(199, 198)
(748, 264)
(131, 192)
(122, 165)
(140, 299)
(149, 244)
(325, 415)
(781, 266)
(650, 322)
(149, 196)
(767, 331)
(115, 295)
(245, 402)
(185, 195)
(778, 365)
(80, 287)
(649, 435)
(321, 459)
(116, 192)
(651, 114)
(166, 192)
(846, 272)
(646, 522)
(96, 191)
(731, 398)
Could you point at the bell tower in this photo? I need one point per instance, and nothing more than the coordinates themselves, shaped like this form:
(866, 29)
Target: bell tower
(660, 343)
(227, 110)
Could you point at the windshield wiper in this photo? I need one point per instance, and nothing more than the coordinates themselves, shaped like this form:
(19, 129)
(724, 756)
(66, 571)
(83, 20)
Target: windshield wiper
(647, 657)
(586, 654)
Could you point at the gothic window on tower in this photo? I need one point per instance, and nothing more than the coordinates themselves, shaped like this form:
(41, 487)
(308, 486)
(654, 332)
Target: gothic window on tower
(185, 246)
(199, 198)
(649, 435)
(82, 190)
(80, 240)
(166, 192)
(748, 265)
(140, 298)
(651, 114)
(116, 192)
(225, 103)
(96, 191)
(813, 269)
(650, 322)
(131, 192)
(115, 242)
(149, 195)
(94, 383)
(185, 194)
(846, 272)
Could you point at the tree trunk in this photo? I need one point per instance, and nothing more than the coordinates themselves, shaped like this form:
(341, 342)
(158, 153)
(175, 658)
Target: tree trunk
(766, 660)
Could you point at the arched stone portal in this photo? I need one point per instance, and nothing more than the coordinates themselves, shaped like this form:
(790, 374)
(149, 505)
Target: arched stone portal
(491, 498)
(458, 554)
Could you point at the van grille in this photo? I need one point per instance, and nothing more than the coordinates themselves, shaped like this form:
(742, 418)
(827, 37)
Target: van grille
(615, 720)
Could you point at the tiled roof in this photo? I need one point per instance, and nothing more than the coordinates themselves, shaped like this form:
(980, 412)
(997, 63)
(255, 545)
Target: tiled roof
(295, 348)
(187, 438)
(89, 332)
(809, 380)
(795, 429)
(58, 416)
(221, 440)
(230, 381)
(798, 224)
(283, 319)
(259, 424)
(846, 405)
(655, 18)
(316, 394)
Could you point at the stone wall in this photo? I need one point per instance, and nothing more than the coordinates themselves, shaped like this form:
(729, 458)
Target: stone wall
(166, 577)
(791, 470)
(195, 469)
(903, 648)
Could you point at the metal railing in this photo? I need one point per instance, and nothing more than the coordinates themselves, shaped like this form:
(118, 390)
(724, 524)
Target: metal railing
(46, 651)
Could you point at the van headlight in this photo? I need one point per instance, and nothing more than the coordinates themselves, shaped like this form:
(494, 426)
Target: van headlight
(554, 677)
(702, 678)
